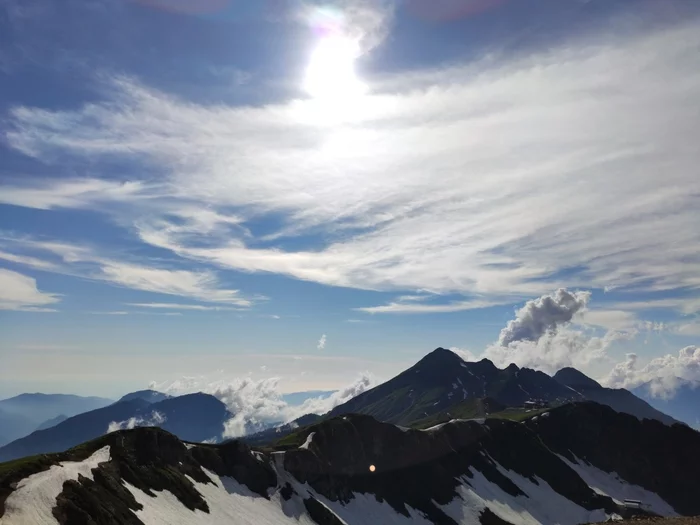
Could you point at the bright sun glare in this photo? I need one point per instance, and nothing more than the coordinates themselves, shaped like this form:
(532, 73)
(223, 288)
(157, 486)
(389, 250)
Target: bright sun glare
(331, 75)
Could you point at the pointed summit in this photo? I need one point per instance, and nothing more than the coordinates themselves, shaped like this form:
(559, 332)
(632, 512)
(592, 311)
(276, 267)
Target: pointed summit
(575, 379)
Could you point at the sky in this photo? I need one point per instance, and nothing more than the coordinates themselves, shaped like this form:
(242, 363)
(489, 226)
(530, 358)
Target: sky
(295, 195)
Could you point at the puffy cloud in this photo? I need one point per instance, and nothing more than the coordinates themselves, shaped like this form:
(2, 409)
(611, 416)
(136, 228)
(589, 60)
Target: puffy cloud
(19, 292)
(257, 404)
(321, 405)
(543, 315)
(555, 350)
(153, 420)
(321, 343)
(254, 404)
(664, 374)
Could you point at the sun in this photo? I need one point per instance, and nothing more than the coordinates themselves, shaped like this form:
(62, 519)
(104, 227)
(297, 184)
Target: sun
(330, 75)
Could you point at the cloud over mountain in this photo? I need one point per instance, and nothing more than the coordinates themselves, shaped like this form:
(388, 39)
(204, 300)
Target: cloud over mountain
(543, 315)
(664, 374)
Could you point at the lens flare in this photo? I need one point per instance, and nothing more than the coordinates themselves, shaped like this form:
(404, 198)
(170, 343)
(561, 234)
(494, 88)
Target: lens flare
(331, 71)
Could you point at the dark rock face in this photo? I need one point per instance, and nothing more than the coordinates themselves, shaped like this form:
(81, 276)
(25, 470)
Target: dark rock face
(153, 460)
(417, 469)
(663, 459)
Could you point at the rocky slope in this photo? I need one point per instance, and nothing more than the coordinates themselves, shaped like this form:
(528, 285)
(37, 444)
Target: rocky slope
(572, 464)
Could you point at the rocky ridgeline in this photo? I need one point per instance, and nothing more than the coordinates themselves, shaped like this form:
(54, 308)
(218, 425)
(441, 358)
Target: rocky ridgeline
(418, 469)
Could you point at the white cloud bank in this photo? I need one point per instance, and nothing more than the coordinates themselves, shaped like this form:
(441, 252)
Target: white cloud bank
(256, 404)
(664, 374)
(321, 343)
(490, 180)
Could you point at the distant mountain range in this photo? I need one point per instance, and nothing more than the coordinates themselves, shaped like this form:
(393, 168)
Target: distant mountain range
(683, 403)
(442, 380)
(438, 388)
(24, 413)
(193, 417)
(572, 464)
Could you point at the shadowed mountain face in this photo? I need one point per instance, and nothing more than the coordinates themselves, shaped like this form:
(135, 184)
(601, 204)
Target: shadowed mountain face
(617, 398)
(566, 466)
(442, 380)
(194, 417)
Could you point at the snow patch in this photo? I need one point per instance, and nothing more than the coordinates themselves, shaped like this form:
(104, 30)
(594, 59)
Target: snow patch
(229, 502)
(611, 484)
(308, 441)
(32, 501)
(541, 505)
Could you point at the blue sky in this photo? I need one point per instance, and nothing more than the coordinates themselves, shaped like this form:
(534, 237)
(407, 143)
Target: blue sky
(211, 191)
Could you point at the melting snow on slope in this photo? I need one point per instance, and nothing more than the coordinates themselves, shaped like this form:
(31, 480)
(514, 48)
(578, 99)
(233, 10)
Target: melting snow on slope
(362, 509)
(544, 504)
(308, 441)
(35, 496)
(230, 503)
(610, 484)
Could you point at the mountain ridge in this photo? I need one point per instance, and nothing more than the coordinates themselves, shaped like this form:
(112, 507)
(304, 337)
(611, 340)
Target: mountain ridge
(442, 379)
(555, 467)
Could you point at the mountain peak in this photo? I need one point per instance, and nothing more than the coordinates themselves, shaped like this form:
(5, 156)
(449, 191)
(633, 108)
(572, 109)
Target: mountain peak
(151, 396)
(440, 356)
(575, 379)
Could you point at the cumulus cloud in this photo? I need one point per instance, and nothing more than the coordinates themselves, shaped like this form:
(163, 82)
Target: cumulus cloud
(665, 374)
(504, 212)
(321, 343)
(543, 315)
(20, 292)
(321, 405)
(257, 404)
(555, 350)
(153, 420)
